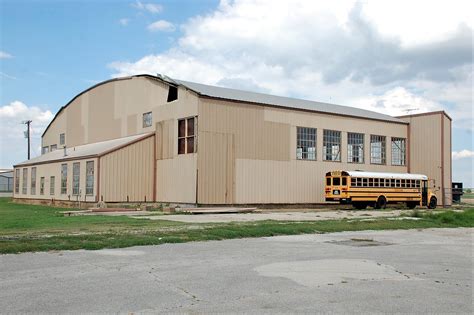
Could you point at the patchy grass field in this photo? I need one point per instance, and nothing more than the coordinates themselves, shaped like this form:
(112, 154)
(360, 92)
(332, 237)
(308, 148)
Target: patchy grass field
(40, 228)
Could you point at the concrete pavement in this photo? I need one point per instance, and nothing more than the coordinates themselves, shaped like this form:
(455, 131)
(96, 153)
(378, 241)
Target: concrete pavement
(415, 271)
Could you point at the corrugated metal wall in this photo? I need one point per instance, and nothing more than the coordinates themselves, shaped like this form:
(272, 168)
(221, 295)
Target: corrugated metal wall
(128, 172)
(54, 169)
(426, 155)
(247, 153)
(447, 168)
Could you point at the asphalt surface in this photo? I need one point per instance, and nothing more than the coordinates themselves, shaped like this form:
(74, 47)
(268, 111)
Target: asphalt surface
(415, 271)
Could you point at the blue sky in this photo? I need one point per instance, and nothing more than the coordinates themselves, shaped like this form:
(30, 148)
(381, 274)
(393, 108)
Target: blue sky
(347, 52)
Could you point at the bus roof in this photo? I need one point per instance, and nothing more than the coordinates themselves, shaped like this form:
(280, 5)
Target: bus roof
(386, 175)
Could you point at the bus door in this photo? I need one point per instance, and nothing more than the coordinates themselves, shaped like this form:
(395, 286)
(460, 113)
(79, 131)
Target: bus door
(424, 193)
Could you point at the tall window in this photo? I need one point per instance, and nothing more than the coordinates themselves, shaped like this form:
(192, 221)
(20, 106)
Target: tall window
(305, 143)
(187, 131)
(52, 180)
(17, 181)
(62, 139)
(33, 181)
(332, 145)
(63, 179)
(76, 172)
(398, 151)
(41, 185)
(147, 119)
(377, 149)
(90, 178)
(355, 147)
(25, 181)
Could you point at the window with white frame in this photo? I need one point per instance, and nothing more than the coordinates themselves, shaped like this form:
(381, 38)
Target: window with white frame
(89, 177)
(52, 180)
(331, 145)
(41, 185)
(76, 173)
(53, 147)
(64, 179)
(44, 150)
(305, 143)
(355, 147)
(17, 181)
(24, 183)
(33, 181)
(377, 149)
(398, 151)
(147, 119)
(187, 135)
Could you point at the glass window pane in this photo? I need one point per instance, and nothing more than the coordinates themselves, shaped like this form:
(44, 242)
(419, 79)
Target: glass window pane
(181, 128)
(182, 146)
(190, 127)
(190, 145)
(305, 143)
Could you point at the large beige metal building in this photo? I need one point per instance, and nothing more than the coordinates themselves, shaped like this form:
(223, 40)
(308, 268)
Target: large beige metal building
(154, 139)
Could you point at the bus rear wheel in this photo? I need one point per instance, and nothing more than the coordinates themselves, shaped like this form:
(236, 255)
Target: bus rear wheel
(412, 204)
(381, 203)
(359, 205)
(433, 203)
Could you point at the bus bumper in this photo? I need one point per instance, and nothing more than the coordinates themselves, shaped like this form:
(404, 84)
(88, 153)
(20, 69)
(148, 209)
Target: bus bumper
(343, 201)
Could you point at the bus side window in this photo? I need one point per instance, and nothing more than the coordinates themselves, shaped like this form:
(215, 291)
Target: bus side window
(371, 182)
(417, 184)
(359, 182)
(392, 183)
(353, 181)
(328, 181)
(377, 182)
(344, 181)
(364, 182)
(403, 183)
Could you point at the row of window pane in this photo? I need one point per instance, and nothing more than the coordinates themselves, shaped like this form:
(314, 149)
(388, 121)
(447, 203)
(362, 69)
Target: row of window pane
(64, 178)
(306, 143)
(53, 147)
(331, 145)
(384, 182)
(306, 147)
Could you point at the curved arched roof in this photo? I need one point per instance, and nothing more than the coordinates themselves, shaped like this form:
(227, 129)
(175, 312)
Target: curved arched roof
(254, 98)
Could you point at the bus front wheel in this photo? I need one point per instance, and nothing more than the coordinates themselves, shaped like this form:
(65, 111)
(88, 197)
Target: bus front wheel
(381, 203)
(433, 203)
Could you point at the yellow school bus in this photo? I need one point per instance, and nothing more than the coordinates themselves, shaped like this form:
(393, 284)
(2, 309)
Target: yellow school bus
(377, 189)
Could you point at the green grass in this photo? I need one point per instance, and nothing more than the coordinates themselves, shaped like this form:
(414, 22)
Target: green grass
(26, 228)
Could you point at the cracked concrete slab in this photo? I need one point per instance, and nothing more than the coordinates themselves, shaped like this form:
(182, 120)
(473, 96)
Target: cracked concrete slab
(422, 271)
(278, 216)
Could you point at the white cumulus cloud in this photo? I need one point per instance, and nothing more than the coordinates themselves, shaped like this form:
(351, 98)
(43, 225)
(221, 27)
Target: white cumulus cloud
(124, 21)
(344, 52)
(5, 55)
(463, 154)
(150, 7)
(11, 130)
(161, 25)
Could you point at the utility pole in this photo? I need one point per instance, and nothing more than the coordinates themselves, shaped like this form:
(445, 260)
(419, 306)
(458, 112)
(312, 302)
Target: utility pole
(27, 134)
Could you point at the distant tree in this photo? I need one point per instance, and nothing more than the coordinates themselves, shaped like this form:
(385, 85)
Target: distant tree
(468, 190)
